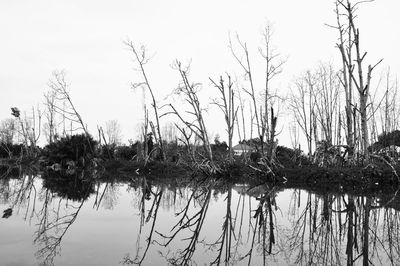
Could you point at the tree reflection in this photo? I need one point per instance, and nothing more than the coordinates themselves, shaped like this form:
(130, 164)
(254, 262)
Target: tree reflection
(77, 186)
(334, 230)
(229, 223)
(263, 229)
(62, 199)
(50, 206)
(52, 227)
(228, 231)
(325, 229)
(17, 192)
(193, 223)
(151, 215)
(231, 241)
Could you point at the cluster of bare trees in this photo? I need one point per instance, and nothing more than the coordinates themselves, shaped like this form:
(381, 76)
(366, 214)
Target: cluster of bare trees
(263, 114)
(24, 129)
(341, 108)
(191, 123)
(314, 102)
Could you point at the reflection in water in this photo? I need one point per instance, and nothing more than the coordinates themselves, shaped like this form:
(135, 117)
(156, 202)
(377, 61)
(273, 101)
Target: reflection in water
(210, 222)
(338, 229)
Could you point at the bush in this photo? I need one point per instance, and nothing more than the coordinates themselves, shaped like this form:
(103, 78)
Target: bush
(126, 152)
(255, 156)
(386, 140)
(76, 148)
(107, 151)
(291, 157)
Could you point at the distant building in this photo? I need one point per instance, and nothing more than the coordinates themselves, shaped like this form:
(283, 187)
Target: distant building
(240, 149)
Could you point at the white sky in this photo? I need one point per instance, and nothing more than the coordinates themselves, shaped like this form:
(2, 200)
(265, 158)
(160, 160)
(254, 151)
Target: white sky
(84, 37)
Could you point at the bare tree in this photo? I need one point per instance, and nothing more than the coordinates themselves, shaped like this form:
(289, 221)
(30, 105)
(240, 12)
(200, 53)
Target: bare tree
(274, 63)
(28, 128)
(142, 59)
(64, 105)
(326, 97)
(302, 104)
(196, 123)
(50, 114)
(389, 110)
(227, 104)
(7, 130)
(246, 67)
(113, 132)
(170, 132)
(35, 122)
(361, 80)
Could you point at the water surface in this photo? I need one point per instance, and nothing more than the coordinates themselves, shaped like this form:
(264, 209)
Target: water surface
(81, 221)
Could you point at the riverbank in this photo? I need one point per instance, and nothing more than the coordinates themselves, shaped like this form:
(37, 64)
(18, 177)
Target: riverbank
(308, 176)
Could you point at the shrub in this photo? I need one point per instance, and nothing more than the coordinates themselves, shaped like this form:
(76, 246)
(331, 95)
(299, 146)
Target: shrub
(75, 148)
(290, 157)
(107, 151)
(386, 140)
(126, 152)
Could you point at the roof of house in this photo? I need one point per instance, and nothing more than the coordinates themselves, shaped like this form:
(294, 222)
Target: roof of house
(242, 147)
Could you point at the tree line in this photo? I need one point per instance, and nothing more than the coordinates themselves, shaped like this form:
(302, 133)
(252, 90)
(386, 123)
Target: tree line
(336, 109)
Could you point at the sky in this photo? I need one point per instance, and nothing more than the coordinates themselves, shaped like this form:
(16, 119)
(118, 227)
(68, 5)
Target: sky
(85, 38)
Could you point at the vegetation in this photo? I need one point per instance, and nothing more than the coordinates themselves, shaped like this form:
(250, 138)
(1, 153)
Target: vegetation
(77, 148)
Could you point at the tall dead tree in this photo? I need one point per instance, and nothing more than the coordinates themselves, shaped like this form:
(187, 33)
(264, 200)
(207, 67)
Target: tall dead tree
(142, 59)
(64, 105)
(345, 47)
(303, 106)
(196, 123)
(273, 67)
(246, 67)
(50, 114)
(227, 105)
(113, 132)
(361, 81)
(326, 98)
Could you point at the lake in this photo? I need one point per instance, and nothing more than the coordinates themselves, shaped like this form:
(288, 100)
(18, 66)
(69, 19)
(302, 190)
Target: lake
(84, 221)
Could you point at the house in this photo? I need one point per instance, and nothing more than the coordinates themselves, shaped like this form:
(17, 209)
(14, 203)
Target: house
(240, 149)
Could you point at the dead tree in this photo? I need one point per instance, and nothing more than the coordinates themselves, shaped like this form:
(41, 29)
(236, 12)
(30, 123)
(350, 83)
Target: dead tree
(189, 92)
(64, 105)
(35, 127)
(361, 81)
(273, 67)
(326, 98)
(246, 67)
(241, 104)
(28, 128)
(141, 59)
(50, 114)
(303, 106)
(113, 132)
(8, 130)
(227, 105)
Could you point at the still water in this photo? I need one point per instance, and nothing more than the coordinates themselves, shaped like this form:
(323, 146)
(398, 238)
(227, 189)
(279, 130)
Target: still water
(148, 222)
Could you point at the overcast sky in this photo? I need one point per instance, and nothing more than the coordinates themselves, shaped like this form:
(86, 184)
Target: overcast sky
(85, 37)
